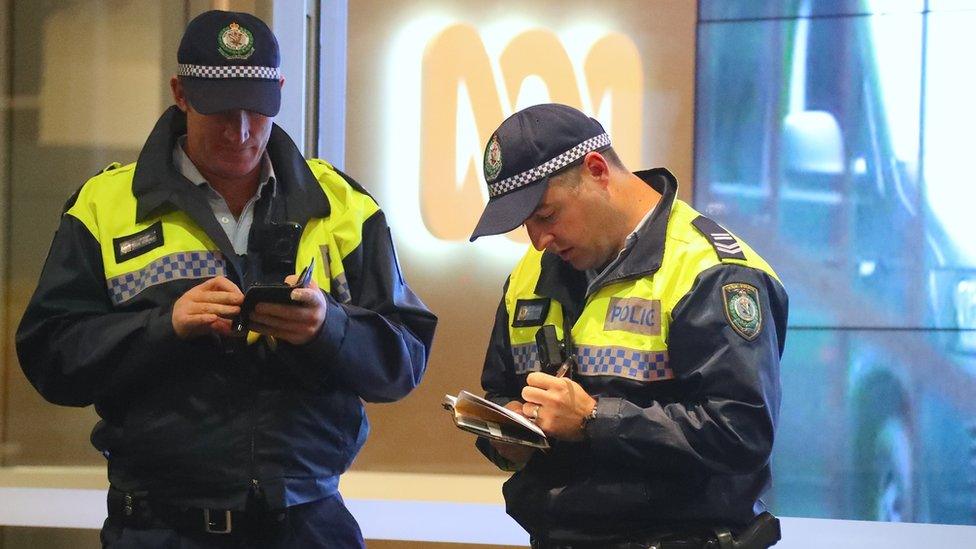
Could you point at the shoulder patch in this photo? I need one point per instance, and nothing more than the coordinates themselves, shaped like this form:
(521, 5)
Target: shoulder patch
(726, 246)
(742, 309)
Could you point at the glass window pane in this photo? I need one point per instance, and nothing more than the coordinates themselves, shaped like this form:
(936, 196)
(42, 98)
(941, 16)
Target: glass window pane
(724, 10)
(875, 425)
(950, 110)
(84, 95)
(807, 144)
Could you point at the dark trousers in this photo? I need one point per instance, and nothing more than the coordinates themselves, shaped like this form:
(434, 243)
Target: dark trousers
(325, 523)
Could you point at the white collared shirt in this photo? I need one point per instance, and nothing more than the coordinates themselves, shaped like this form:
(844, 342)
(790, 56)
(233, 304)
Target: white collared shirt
(237, 229)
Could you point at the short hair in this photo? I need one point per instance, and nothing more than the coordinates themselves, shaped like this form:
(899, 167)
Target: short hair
(572, 176)
(613, 159)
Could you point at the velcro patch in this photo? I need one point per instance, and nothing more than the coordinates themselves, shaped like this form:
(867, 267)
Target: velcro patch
(127, 247)
(634, 314)
(742, 309)
(530, 312)
(726, 246)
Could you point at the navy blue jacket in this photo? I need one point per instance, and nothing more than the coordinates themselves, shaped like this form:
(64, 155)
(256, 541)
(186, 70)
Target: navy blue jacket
(203, 422)
(687, 448)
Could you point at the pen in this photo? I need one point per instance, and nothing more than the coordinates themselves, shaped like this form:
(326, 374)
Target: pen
(563, 369)
(306, 275)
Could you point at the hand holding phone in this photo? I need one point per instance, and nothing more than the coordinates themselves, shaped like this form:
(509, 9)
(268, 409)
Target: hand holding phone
(269, 293)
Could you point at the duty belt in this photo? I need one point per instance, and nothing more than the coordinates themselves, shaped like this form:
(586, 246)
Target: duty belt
(136, 510)
(683, 543)
(763, 532)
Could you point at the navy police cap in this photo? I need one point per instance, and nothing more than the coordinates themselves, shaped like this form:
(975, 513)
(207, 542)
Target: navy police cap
(230, 60)
(524, 152)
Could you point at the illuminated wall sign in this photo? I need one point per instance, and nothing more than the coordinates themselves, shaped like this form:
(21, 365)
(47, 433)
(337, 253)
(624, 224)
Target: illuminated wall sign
(471, 80)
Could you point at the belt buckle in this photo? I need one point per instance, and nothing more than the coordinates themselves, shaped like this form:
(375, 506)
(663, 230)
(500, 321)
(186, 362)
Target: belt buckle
(211, 527)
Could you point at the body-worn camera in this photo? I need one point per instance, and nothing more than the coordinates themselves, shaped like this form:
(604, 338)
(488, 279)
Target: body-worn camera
(553, 357)
(278, 245)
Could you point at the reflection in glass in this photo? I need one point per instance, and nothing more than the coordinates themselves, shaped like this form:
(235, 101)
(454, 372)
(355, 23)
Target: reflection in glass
(837, 153)
(84, 95)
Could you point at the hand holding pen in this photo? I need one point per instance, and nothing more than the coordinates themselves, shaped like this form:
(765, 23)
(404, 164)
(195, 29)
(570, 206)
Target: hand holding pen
(556, 403)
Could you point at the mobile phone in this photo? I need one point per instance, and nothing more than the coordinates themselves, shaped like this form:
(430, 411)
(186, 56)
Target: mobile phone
(278, 242)
(269, 293)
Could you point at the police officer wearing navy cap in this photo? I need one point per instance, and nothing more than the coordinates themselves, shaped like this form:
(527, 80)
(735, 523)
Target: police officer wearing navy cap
(217, 436)
(672, 328)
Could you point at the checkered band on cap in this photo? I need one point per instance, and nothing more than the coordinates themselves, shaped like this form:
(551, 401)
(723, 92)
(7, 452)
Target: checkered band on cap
(543, 170)
(228, 71)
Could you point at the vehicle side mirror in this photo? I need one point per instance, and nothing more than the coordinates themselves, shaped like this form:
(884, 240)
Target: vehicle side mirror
(812, 144)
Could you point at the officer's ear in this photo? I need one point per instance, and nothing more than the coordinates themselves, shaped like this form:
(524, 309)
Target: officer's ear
(596, 167)
(179, 97)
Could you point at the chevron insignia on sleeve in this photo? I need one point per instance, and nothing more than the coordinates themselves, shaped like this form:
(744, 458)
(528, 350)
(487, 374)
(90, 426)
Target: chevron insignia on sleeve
(726, 246)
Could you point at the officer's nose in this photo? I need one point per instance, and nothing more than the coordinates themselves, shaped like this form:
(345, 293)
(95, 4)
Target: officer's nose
(237, 126)
(540, 238)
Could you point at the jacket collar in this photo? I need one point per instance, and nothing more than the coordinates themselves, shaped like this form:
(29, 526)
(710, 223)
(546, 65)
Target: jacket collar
(559, 280)
(157, 183)
(646, 254)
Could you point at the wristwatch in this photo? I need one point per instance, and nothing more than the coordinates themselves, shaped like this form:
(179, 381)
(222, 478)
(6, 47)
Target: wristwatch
(588, 418)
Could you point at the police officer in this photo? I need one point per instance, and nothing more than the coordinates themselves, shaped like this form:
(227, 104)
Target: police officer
(214, 440)
(661, 434)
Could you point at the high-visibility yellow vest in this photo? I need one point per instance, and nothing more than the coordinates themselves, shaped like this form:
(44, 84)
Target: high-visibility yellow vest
(623, 328)
(172, 246)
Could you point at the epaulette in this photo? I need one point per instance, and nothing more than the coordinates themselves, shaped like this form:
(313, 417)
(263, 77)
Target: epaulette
(110, 167)
(726, 246)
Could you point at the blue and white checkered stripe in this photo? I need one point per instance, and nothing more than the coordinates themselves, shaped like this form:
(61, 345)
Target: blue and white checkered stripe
(339, 284)
(549, 167)
(623, 362)
(526, 358)
(228, 71)
(340, 289)
(171, 267)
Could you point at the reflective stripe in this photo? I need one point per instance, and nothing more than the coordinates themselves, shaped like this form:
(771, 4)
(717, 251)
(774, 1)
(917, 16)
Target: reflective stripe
(184, 254)
(606, 342)
(181, 265)
(623, 362)
(526, 358)
(340, 288)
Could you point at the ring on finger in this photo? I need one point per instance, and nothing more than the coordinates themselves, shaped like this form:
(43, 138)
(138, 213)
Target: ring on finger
(535, 412)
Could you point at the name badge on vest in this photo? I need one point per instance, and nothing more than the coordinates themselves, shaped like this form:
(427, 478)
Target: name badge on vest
(127, 247)
(634, 314)
(530, 312)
